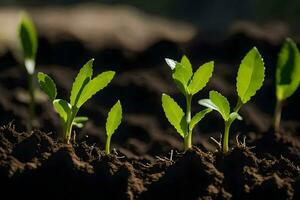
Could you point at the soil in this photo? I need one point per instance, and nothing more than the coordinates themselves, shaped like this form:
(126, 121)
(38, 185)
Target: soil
(148, 161)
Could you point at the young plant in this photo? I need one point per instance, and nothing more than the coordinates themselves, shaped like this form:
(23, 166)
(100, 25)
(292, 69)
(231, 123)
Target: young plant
(29, 43)
(250, 78)
(84, 87)
(189, 84)
(287, 76)
(112, 123)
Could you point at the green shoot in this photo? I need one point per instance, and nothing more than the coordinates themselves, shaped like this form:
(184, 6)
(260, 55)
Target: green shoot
(84, 87)
(249, 79)
(112, 123)
(287, 76)
(189, 84)
(28, 40)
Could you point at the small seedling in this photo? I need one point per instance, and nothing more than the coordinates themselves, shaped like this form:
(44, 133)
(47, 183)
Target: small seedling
(250, 78)
(287, 76)
(189, 84)
(28, 39)
(112, 123)
(84, 87)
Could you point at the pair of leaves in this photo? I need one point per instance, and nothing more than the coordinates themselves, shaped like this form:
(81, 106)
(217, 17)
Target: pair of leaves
(84, 87)
(190, 83)
(176, 116)
(287, 70)
(114, 119)
(220, 103)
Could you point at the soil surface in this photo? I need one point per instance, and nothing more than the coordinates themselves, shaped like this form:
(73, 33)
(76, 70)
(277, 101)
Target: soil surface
(148, 161)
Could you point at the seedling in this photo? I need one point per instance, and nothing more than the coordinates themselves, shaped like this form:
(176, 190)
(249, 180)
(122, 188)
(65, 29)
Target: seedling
(112, 123)
(84, 87)
(250, 78)
(189, 84)
(29, 43)
(287, 76)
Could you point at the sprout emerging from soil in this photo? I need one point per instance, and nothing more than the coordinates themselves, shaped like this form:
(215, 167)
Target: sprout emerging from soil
(287, 76)
(112, 123)
(189, 84)
(84, 87)
(249, 79)
(28, 41)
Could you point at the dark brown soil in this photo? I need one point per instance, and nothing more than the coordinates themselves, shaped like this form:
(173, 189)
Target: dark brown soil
(148, 162)
(34, 164)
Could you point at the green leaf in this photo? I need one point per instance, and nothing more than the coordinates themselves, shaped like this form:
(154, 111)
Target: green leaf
(81, 119)
(94, 86)
(47, 85)
(28, 37)
(63, 108)
(114, 118)
(172, 63)
(250, 75)
(78, 125)
(197, 118)
(208, 103)
(81, 80)
(234, 115)
(174, 114)
(221, 103)
(201, 77)
(182, 74)
(288, 70)
(186, 62)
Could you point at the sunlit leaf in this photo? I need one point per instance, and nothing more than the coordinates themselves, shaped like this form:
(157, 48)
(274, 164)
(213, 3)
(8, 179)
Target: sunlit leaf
(47, 85)
(174, 114)
(81, 80)
(94, 86)
(114, 118)
(288, 70)
(197, 118)
(250, 75)
(201, 77)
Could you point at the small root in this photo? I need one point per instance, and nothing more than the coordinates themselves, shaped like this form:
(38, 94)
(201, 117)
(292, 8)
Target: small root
(242, 144)
(218, 143)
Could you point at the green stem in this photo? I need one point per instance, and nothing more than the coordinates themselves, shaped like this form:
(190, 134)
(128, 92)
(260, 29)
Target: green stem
(69, 125)
(107, 145)
(188, 141)
(32, 101)
(277, 116)
(188, 137)
(238, 105)
(225, 138)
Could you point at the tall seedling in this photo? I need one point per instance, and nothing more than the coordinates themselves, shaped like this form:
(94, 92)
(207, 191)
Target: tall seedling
(84, 87)
(189, 84)
(28, 39)
(250, 78)
(287, 76)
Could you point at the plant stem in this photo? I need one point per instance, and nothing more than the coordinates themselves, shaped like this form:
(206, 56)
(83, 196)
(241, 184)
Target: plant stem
(32, 101)
(107, 145)
(225, 138)
(188, 141)
(238, 105)
(188, 137)
(69, 125)
(277, 116)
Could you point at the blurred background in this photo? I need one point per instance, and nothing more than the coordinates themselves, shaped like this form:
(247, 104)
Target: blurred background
(133, 37)
(211, 15)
